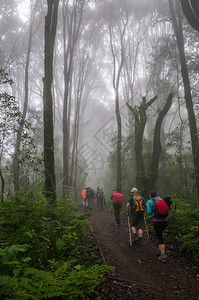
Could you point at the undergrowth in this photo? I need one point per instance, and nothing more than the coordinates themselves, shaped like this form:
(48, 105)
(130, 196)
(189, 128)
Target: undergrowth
(44, 253)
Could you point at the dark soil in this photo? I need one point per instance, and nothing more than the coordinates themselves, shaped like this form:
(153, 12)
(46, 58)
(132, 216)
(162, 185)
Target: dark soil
(138, 272)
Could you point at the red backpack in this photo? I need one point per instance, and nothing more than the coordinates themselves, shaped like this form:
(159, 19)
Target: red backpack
(161, 210)
(117, 198)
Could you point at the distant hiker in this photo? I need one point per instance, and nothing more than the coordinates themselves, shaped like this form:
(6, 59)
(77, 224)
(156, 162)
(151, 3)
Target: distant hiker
(92, 197)
(117, 200)
(135, 210)
(83, 193)
(95, 192)
(159, 223)
(89, 198)
(100, 198)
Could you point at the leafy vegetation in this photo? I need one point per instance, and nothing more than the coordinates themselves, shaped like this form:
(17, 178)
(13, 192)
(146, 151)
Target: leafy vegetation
(11, 119)
(182, 232)
(184, 227)
(44, 251)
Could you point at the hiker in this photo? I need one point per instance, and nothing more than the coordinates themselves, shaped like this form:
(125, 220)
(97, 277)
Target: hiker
(92, 198)
(100, 198)
(89, 198)
(95, 192)
(117, 200)
(159, 224)
(135, 210)
(83, 193)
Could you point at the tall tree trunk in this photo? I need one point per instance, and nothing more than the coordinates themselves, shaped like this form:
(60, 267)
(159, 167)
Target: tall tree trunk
(76, 156)
(73, 23)
(191, 11)
(118, 62)
(2, 186)
(25, 107)
(157, 148)
(73, 172)
(75, 129)
(177, 26)
(119, 144)
(50, 32)
(139, 126)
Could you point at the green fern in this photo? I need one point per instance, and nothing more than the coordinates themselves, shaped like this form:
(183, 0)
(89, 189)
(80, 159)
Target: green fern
(41, 252)
(190, 250)
(38, 284)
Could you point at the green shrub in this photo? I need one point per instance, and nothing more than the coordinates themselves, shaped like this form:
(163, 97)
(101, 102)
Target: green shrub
(43, 252)
(183, 227)
(31, 283)
(190, 248)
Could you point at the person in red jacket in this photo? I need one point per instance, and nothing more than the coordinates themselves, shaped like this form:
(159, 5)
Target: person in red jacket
(117, 200)
(84, 197)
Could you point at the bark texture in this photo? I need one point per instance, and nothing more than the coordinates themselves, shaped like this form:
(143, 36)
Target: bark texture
(157, 148)
(16, 168)
(140, 118)
(191, 11)
(177, 26)
(71, 30)
(50, 32)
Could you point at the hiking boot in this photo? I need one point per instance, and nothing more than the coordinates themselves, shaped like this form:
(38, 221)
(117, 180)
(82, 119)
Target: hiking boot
(158, 252)
(135, 238)
(163, 259)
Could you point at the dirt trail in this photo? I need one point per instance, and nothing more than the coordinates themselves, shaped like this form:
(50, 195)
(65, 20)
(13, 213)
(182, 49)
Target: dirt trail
(139, 265)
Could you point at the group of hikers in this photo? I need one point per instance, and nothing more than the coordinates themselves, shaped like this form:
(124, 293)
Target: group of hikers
(91, 197)
(136, 205)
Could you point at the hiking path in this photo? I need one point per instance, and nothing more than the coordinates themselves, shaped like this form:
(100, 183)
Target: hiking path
(138, 267)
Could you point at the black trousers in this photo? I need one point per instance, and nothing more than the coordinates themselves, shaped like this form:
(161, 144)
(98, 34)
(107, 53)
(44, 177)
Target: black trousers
(117, 209)
(159, 227)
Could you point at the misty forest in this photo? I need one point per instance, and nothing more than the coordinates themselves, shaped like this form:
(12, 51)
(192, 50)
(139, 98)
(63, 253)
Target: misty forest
(93, 94)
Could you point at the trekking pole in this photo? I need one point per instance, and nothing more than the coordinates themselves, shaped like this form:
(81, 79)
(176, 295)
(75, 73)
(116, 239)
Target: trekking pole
(146, 228)
(130, 237)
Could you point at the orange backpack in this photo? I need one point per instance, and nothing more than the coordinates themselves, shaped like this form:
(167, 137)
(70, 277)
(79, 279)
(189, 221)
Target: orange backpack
(138, 204)
(84, 194)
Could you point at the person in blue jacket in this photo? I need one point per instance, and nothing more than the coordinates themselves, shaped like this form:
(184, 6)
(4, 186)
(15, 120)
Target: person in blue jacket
(158, 224)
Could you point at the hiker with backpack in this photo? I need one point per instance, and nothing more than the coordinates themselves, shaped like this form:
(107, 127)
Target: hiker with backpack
(89, 198)
(100, 198)
(95, 192)
(159, 210)
(83, 193)
(135, 211)
(117, 200)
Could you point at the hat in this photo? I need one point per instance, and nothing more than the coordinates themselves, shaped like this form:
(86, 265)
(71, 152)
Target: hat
(134, 190)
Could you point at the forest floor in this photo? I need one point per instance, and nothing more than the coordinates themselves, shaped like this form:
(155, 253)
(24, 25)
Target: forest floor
(138, 272)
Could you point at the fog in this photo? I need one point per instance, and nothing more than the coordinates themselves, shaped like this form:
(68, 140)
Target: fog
(105, 51)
